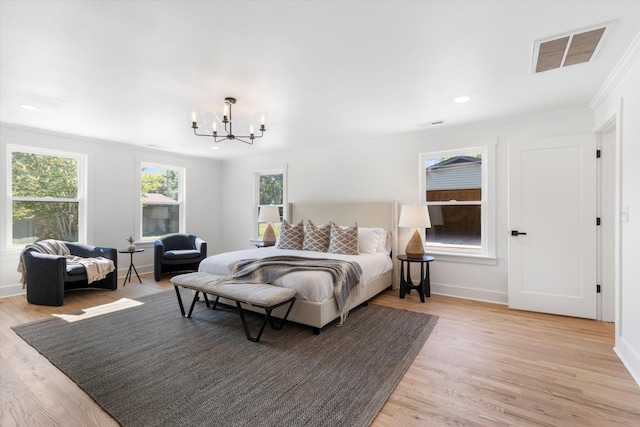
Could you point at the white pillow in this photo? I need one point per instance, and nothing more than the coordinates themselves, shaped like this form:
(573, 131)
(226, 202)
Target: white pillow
(372, 240)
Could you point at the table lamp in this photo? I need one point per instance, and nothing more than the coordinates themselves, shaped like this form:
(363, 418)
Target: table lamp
(412, 216)
(269, 214)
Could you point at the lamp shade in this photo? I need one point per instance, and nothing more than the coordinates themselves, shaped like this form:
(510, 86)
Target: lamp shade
(269, 214)
(416, 217)
(413, 216)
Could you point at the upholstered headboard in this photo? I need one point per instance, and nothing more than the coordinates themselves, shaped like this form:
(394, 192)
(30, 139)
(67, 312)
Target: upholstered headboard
(365, 214)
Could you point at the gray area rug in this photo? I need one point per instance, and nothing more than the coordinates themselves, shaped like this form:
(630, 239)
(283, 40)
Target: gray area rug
(148, 366)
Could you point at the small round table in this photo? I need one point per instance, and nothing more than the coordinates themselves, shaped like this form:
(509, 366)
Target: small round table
(406, 284)
(131, 266)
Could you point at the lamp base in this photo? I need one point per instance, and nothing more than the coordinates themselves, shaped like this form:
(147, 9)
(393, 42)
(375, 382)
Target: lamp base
(269, 237)
(415, 247)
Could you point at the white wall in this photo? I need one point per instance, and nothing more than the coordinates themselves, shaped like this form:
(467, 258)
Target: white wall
(112, 201)
(387, 169)
(620, 99)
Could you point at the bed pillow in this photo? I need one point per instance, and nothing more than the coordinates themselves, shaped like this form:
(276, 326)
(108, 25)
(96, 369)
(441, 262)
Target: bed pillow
(387, 243)
(291, 237)
(344, 240)
(371, 240)
(316, 237)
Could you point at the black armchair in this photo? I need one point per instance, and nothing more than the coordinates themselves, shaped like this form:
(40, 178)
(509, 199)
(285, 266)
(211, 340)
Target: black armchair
(49, 276)
(177, 252)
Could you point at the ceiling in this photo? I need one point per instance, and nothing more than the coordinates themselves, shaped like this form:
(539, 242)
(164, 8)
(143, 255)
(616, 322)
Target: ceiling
(328, 72)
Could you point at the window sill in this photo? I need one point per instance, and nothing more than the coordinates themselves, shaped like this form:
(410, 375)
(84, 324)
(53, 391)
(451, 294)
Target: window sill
(469, 258)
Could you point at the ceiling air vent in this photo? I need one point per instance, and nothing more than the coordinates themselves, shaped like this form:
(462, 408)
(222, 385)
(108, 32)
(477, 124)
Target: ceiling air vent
(569, 49)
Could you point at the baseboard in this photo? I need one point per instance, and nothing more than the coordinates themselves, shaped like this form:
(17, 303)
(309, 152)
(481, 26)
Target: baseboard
(470, 293)
(629, 357)
(12, 290)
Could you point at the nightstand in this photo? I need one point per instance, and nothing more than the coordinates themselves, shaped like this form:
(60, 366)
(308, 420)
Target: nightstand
(406, 284)
(264, 245)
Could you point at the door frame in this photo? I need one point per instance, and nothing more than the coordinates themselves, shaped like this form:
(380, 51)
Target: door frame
(608, 139)
(608, 171)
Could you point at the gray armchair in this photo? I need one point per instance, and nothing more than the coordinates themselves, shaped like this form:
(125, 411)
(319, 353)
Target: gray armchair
(177, 252)
(49, 276)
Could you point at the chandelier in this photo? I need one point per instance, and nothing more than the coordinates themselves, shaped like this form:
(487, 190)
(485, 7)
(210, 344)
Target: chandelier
(227, 121)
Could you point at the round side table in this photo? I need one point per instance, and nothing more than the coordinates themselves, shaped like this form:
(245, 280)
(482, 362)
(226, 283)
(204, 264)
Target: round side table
(406, 284)
(132, 268)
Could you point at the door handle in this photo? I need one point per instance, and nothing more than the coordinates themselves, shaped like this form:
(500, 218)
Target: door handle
(516, 233)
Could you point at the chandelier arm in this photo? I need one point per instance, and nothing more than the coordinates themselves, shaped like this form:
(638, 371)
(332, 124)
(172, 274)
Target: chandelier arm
(201, 134)
(242, 140)
(215, 137)
(249, 136)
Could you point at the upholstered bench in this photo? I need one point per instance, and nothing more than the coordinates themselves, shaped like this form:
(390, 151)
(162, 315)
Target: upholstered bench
(259, 295)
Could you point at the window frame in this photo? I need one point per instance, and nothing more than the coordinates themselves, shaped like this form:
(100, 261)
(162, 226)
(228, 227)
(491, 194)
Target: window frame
(181, 203)
(487, 251)
(81, 196)
(256, 204)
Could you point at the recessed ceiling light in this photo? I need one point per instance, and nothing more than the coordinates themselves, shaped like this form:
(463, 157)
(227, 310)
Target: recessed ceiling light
(29, 107)
(461, 99)
(215, 147)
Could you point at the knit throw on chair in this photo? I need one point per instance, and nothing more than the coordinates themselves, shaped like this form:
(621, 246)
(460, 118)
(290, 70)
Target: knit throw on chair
(96, 268)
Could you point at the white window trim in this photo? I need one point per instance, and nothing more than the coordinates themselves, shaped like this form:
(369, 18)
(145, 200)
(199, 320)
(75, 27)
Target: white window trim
(273, 170)
(182, 173)
(82, 189)
(487, 253)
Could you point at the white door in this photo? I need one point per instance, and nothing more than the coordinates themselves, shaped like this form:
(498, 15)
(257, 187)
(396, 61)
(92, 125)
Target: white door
(552, 198)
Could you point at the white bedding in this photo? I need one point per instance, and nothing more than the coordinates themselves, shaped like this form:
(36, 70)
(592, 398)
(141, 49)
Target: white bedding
(309, 285)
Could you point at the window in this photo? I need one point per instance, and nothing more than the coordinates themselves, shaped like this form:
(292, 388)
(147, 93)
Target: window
(161, 189)
(271, 190)
(457, 186)
(47, 195)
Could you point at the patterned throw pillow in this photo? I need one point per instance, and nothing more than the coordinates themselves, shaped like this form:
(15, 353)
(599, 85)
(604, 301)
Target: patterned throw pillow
(291, 236)
(316, 238)
(344, 241)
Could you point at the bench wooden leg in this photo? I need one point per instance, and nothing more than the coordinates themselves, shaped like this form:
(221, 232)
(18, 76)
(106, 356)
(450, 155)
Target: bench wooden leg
(271, 320)
(267, 318)
(215, 303)
(193, 303)
(179, 299)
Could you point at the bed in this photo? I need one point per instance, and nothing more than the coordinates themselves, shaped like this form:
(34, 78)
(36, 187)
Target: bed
(315, 305)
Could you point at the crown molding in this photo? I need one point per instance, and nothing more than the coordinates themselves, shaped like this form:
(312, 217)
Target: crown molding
(630, 56)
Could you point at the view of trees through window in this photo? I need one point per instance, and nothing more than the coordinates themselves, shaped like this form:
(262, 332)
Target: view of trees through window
(271, 193)
(44, 195)
(160, 190)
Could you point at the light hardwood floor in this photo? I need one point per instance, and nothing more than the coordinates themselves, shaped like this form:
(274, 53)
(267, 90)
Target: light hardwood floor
(483, 365)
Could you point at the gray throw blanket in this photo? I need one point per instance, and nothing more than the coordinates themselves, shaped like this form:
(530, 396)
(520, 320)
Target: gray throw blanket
(347, 276)
(96, 268)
